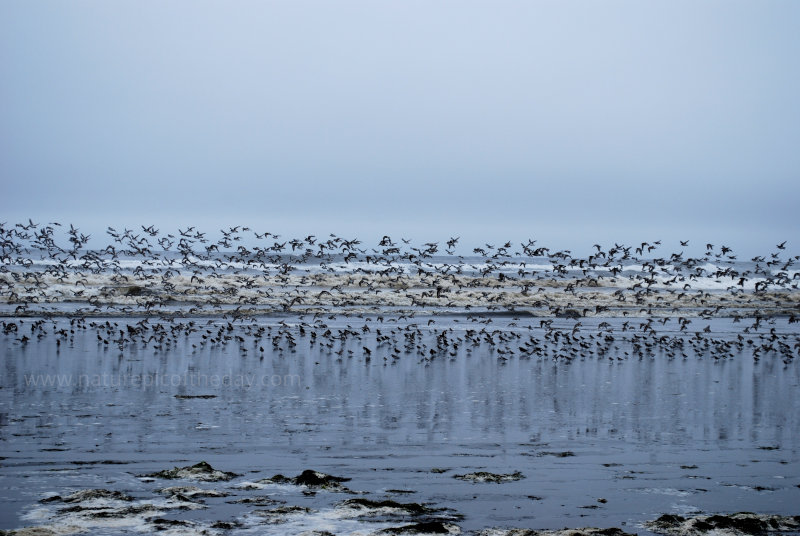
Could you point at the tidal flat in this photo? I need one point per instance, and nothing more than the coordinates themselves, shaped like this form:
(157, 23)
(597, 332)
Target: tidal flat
(169, 383)
(215, 436)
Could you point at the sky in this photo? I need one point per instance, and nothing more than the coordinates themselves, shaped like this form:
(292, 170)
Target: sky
(570, 122)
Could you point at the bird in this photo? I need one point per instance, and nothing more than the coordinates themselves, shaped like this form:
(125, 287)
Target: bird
(341, 278)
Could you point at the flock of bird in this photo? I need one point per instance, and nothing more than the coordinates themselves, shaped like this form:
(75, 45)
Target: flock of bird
(260, 293)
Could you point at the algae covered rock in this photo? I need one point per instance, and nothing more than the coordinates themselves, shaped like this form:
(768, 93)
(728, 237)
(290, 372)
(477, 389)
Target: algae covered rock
(586, 531)
(377, 506)
(734, 524)
(425, 527)
(201, 471)
(88, 495)
(310, 479)
(316, 479)
(483, 476)
(190, 492)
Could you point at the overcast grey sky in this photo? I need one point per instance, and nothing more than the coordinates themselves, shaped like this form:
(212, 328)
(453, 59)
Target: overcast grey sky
(567, 121)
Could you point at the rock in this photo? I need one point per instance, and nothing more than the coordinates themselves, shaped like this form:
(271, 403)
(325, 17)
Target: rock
(668, 520)
(161, 522)
(33, 531)
(506, 532)
(569, 313)
(733, 524)
(125, 512)
(310, 479)
(748, 525)
(564, 454)
(279, 479)
(226, 525)
(88, 495)
(427, 527)
(316, 479)
(612, 531)
(201, 471)
(588, 531)
(281, 511)
(482, 476)
(258, 500)
(366, 504)
(190, 492)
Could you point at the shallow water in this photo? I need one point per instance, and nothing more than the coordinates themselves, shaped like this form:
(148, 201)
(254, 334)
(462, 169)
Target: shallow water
(629, 431)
